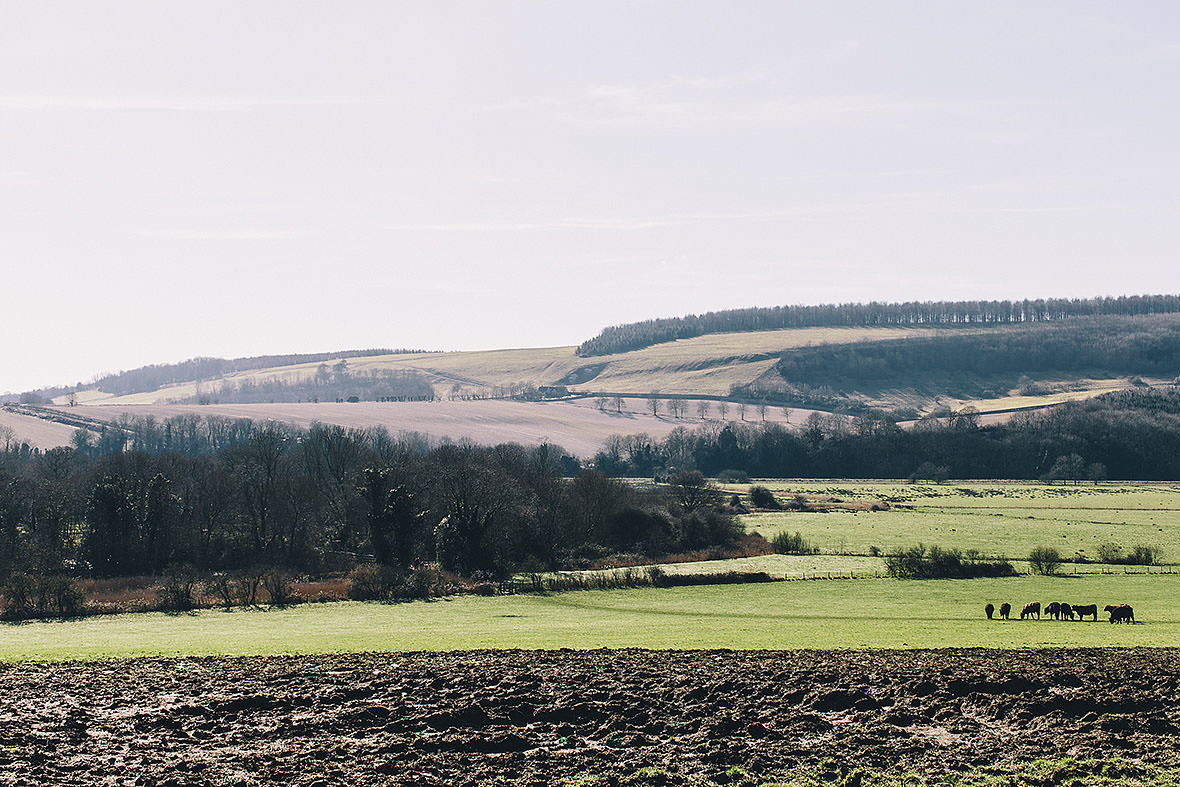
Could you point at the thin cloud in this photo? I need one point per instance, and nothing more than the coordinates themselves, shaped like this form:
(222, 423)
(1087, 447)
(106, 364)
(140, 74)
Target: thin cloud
(659, 222)
(16, 103)
(221, 235)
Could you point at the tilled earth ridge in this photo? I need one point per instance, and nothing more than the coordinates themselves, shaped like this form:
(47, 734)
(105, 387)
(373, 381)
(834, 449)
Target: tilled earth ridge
(534, 717)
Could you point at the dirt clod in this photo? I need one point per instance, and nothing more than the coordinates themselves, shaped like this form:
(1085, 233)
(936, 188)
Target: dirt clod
(535, 717)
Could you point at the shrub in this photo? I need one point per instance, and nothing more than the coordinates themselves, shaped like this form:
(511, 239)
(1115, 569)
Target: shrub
(62, 596)
(27, 596)
(1110, 552)
(277, 584)
(792, 544)
(224, 587)
(1140, 555)
(762, 497)
(1044, 560)
(1143, 555)
(20, 595)
(176, 591)
(733, 477)
(420, 582)
(371, 582)
(919, 562)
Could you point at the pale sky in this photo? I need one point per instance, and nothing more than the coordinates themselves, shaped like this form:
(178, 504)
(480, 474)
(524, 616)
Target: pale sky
(240, 178)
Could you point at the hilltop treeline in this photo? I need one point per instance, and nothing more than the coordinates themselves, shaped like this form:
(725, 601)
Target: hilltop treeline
(149, 378)
(1096, 346)
(221, 494)
(327, 384)
(632, 336)
(1132, 434)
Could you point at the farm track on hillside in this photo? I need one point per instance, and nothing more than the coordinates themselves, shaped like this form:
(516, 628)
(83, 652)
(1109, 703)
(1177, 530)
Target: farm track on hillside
(536, 716)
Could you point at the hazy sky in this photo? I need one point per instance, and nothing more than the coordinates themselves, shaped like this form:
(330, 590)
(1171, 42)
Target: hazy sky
(238, 178)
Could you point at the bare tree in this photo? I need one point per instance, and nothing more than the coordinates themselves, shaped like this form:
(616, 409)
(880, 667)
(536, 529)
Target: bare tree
(742, 410)
(618, 402)
(787, 414)
(653, 403)
(723, 408)
(703, 409)
(762, 409)
(602, 402)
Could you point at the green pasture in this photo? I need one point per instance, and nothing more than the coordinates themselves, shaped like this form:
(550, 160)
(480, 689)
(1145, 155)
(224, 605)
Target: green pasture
(861, 613)
(1005, 520)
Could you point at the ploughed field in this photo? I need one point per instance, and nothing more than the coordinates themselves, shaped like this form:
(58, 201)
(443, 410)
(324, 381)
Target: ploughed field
(592, 717)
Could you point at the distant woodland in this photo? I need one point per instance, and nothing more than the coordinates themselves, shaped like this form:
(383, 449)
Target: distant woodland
(1107, 346)
(222, 494)
(633, 336)
(219, 493)
(149, 378)
(1133, 434)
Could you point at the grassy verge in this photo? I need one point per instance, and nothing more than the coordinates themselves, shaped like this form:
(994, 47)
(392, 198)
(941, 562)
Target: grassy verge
(870, 613)
(1038, 773)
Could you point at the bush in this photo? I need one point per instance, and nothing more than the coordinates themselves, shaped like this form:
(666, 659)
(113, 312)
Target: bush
(1143, 555)
(918, 562)
(20, 595)
(371, 582)
(1109, 552)
(762, 497)
(792, 544)
(1044, 560)
(27, 596)
(733, 477)
(278, 586)
(1140, 555)
(421, 582)
(60, 596)
(176, 591)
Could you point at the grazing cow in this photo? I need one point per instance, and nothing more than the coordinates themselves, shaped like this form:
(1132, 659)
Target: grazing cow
(1030, 609)
(1066, 611)
(1121, 613)
(1005, 610)
(988, 610)
(1081, 610)
(1053, 610)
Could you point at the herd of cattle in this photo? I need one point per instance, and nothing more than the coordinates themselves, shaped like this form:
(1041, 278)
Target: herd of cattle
(1119, 613)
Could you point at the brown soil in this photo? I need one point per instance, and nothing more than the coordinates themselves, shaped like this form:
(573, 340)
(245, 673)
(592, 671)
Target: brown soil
(534, 717)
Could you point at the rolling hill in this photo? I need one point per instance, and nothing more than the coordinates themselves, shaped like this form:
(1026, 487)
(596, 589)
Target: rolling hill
(555, 393)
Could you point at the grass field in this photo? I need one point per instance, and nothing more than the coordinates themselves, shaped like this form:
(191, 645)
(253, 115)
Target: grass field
(868, 613)
(1006, 520)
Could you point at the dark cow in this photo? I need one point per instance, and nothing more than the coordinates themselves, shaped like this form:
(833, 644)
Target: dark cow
(1065, 611)
(1031, 609)
(1005, 610)
(1053, 610)
(1120, 614)
(989, 610)
(1081, 610)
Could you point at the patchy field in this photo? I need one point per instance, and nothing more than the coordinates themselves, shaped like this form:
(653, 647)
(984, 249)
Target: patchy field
(1001, 519)
(859, 613)
(599, 718)
(36, 432)
(705, 365)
